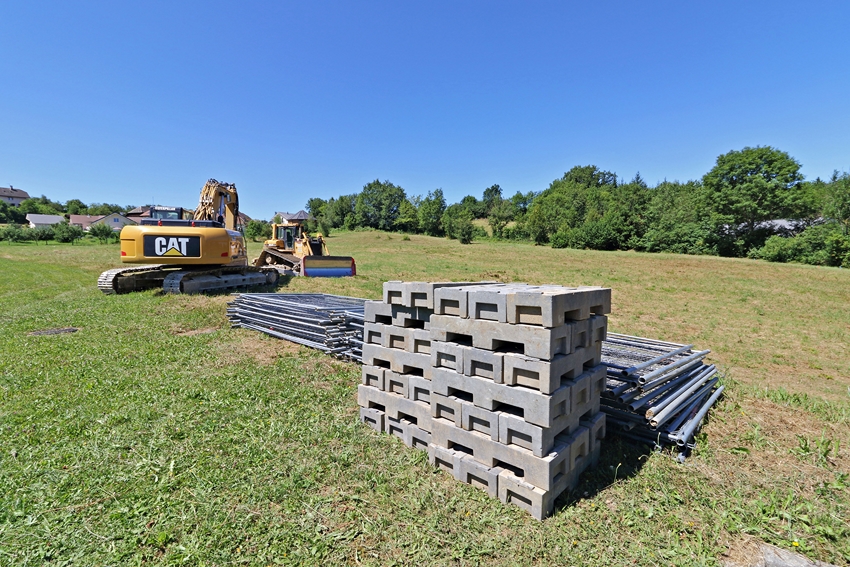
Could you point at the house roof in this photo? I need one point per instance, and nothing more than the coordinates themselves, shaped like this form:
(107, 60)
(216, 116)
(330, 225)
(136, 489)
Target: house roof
(300, 215)
(44, 219)
(84, 220)
(12, 192)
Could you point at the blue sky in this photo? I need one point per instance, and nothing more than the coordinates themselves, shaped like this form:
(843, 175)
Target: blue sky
(140, 102)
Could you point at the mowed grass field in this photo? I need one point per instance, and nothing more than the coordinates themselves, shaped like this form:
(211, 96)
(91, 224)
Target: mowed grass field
(156, 434)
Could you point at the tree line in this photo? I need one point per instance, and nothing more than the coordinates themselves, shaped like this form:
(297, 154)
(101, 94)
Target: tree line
(44, 206)
(753, 203)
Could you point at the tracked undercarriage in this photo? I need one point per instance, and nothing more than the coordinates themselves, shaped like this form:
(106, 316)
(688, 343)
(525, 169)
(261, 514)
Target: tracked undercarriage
(175, 279)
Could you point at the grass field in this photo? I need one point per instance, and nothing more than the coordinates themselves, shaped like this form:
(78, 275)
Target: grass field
(158, 435)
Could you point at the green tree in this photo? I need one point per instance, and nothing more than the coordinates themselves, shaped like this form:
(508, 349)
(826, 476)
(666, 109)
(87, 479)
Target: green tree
(431, 211)
(75, 207)
(475, 207)
(408, 217)
(103, 209)
(492, 196)
(64, 232)
(42, 233)
(13, 233)
(501, 214)
(258, 230)
(316, 206)
(837, 200)
(102, 232)
(378, 205)
(751, 186)
(463, 227)
(340, 210)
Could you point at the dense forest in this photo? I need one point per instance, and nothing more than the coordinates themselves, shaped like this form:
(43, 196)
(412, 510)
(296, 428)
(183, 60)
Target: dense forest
(753, 203)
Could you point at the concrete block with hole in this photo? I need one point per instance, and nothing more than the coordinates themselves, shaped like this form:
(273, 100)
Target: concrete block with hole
(396, 383)
(543, 472)
(447, 407)
(373, 376)
(373, 333)
(534, 407)
(553, 306)
(483, 363)
(596, 429)
(445, 459)
(538, 342)
(372, 417)
(589, 332)
(480, 476)
(536, 501)
(419, 389)
(447, 355)
(514, 430)
(396, 315)
(395, 406)
(549, 375)
(400, 361)
(416, 437)
(477, 419)
(417, 294)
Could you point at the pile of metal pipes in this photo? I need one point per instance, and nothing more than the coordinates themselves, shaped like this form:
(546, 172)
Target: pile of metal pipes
(330, 323)
(658, 392)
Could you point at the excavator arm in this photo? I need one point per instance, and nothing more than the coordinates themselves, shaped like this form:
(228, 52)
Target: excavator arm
(219, 202)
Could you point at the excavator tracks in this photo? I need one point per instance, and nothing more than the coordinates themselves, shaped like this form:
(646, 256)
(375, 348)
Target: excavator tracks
(171, 280)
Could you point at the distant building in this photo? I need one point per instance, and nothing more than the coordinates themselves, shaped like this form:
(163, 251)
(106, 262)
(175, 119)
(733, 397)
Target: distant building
(138, 213)
(116, 220)
(299, 217)
(13, 196)
(83, 221)
(36, 220)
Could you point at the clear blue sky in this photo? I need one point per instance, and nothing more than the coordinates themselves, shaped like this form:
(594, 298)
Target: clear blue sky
(134, 102)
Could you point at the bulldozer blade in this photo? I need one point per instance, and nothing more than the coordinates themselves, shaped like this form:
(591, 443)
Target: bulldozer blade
(328, 266)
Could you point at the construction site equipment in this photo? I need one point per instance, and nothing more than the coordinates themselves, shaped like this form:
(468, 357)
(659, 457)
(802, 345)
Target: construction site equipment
(292, 249)
(656, 392)
(330, 323)
(203, 253)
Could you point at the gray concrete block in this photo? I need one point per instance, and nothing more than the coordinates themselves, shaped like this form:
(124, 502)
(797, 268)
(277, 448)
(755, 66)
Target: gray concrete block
(539, 342)
(589, 332)
(447, 355)
(596, 426)
(445, 459)
(416, 294)
(480, 476)
(483, 363)
(553, 306)
(579, 448)
(396, 338)
(420, 341)
(373, 333)
(395, 406)
(446, 407)
(539, 409)
(477, 419)
(513, 430)
(536, 501)
(373, 376)
(416, 437)
(419, 389)
(586, 389)
(396, 383)
(374, 418)
(549, 375)
(395, 427)
(397, 315)
(542, 472)
(400, 361)
(490, 303)
(462, 301)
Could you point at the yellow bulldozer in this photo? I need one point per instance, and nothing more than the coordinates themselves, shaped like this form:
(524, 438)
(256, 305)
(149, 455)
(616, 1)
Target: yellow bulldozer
(292, 249)
(203, 253)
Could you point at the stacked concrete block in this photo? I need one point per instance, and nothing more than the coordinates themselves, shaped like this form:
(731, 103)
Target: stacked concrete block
(511, 375)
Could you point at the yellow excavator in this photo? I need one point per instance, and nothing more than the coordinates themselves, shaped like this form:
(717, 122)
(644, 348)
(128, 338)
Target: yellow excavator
(203, 253)
(293, 250)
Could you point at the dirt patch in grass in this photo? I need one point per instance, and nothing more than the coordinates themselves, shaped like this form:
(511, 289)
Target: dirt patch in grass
(259, 348)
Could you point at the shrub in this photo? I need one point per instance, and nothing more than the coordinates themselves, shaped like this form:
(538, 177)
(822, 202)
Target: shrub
(64, 232)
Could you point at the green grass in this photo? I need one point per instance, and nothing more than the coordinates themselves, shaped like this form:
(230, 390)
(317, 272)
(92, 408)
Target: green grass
(158, 435)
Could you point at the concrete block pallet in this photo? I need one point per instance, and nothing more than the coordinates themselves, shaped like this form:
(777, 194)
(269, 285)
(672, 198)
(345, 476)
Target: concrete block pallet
(500, 382)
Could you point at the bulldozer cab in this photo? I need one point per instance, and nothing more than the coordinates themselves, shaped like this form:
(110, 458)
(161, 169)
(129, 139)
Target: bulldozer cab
(288, 235)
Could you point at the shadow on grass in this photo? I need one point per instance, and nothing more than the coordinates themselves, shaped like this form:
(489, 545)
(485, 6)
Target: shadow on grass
(619, 458)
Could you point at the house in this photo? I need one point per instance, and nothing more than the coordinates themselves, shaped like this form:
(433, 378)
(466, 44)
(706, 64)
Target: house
(115, 220)
(12, 196)
(138, 213)
(83, 221)
(298, 217)
(43, 220)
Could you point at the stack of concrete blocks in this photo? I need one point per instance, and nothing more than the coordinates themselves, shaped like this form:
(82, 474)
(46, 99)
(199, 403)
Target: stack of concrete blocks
(513, 382)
